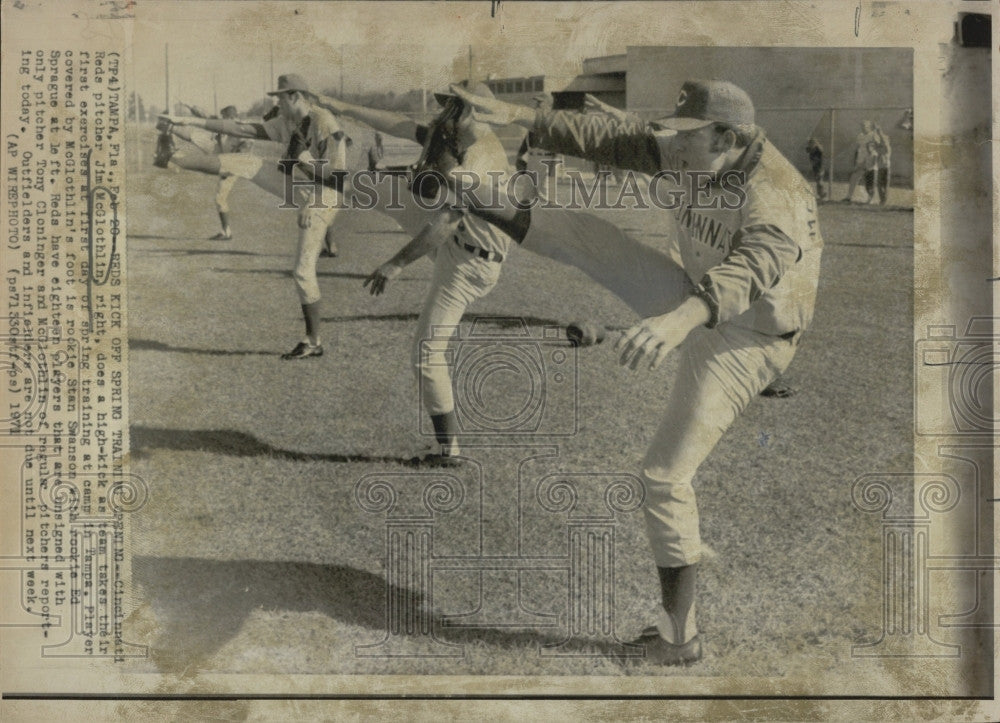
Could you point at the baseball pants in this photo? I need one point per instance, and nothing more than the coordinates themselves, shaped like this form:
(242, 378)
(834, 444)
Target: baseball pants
(883, 184)
(459, 279)
(265, 174)
(310, 243)
(222, 191)
(721, 369)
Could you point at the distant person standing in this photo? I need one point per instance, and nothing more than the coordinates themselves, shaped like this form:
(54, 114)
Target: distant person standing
(883, 149)
(862, 161)
(815, 152)
(376, 152)
(871, 166)
(227, 144)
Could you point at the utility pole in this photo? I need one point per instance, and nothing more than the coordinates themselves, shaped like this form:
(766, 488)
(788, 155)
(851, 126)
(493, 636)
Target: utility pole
(470, 63)
(271, 79)
(341, 72)
(215, 96)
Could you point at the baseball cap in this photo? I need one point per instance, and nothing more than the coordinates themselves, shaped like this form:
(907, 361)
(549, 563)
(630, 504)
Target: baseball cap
(703, 102)
(229, 110)
(289, 83)
(480, 89)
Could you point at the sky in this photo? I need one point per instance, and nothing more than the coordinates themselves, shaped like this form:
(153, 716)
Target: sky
(223, 50)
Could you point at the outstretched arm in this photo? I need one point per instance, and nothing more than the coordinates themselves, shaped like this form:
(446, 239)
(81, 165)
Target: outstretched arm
(592, 104)
(429, 238)
(395, 124)
(239, 129)
(620, 140)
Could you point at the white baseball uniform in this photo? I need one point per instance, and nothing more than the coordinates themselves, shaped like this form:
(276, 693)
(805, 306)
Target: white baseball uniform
(324, 139)
(466, 268)
(228, 145)
(756, 266)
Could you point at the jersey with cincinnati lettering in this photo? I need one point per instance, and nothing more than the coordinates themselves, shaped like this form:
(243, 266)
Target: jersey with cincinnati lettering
(750, 242)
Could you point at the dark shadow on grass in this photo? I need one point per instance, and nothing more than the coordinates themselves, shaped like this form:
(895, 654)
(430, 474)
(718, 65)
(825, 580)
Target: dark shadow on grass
(150, 345)
(377, 231)
(237, 444)
(410, 316)
(205, 252)
(200, 605)
(283, 272)
(487, 324)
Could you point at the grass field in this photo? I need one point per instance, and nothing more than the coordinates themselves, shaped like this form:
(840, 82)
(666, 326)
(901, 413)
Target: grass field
(253, 555)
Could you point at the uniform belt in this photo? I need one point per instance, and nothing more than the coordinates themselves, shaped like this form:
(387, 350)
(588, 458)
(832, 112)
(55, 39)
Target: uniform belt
(788, 335)
(481, 253)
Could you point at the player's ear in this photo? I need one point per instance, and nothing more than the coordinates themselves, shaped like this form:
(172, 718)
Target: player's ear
(725, 140)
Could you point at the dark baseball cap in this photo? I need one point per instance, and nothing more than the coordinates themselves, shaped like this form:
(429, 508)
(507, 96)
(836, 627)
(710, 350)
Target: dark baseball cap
(289, 83)
(480, 89)
(703, 102)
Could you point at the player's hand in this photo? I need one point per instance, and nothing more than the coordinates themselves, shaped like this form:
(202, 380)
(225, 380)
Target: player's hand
(305, 216)
(594, 105)
(381, 277)
(175, 120)
(653, 338)
(334, 105)
(196, 111)
(493, 111)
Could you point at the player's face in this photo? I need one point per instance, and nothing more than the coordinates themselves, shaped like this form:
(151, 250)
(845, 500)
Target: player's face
(698, 150)
(469, 126)
(291, 105)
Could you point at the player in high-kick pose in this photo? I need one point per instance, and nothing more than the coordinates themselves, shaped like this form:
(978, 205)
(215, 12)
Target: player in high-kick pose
(736, 306)
(311, 134)
(468, 252)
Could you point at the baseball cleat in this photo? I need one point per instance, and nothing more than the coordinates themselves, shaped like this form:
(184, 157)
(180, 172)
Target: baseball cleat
(222, 237)
(329, 253)
(165, 148)
(778, 389)
(659, 652)
(303, 350)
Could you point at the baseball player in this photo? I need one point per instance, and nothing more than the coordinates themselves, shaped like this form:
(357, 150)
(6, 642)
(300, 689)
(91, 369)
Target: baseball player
(883, 153)
(736, 307)
(468, 252)
(310, 133)
(865, 160)
(815, 152)
(238, 162)
(227, 144)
